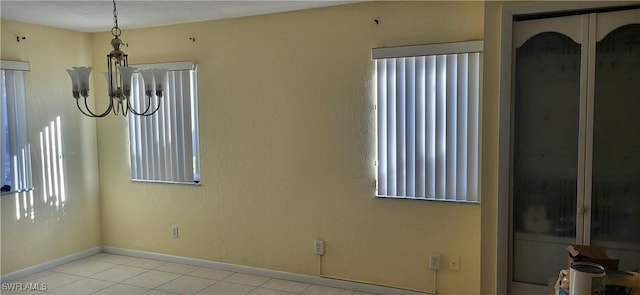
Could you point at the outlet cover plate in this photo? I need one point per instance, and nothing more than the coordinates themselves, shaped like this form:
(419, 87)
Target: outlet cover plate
(454, 263)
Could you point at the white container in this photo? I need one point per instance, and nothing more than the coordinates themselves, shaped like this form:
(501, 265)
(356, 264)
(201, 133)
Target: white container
(586, 278)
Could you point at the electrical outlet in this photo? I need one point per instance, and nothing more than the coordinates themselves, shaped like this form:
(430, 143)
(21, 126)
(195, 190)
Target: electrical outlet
(319, 247)
(174, 231)
(434, 261)
(454, 263)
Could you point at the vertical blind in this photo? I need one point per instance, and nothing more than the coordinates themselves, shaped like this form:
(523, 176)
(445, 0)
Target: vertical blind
(14, 142)
(428, 121)
(164, 146)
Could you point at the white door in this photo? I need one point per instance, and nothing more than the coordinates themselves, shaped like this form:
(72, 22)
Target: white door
(575, 142)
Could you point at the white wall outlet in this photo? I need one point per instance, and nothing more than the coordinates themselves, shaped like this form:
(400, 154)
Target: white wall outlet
(434, 261)
(174, 231)
(319, 247)
(454, 263)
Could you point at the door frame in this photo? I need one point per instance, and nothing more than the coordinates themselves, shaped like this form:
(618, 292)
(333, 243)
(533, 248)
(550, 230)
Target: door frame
(503, 243)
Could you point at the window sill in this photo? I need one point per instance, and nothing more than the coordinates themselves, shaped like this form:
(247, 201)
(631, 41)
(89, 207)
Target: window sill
(195, 183)
(428, 199)
(16, 192)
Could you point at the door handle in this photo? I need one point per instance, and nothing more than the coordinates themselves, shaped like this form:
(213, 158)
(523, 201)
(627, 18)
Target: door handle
(582, 210)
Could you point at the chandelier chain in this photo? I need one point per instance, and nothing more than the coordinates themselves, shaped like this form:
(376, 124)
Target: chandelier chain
(115, 30)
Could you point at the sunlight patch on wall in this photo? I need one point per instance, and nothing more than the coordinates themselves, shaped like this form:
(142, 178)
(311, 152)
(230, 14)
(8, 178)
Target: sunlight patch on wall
(24, 205)
(53, 174)
(53, 180)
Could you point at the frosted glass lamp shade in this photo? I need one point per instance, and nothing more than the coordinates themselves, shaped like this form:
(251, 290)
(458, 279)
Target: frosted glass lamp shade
(83, 76)
(147, 76)
(80, 80)
(159, 76)
(125, 74)
(75, 83)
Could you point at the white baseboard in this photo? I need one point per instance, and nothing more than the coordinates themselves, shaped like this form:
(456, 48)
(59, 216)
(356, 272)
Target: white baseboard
(309, 279)
(49, 264)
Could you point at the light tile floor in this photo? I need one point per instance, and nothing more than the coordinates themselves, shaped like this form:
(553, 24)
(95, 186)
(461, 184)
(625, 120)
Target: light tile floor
(106, 273)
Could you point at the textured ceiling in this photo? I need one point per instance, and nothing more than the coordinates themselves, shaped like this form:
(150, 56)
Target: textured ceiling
(97, 15)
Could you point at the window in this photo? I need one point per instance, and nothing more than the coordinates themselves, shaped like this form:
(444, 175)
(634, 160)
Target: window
(164, 146)
(14, 142)
(428, 121)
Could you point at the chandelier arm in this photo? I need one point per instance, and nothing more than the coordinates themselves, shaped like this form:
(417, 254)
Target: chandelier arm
(88, 111)
(82, 111)
(156, 109)
(133, 110)
(100, 115)
(146, 111)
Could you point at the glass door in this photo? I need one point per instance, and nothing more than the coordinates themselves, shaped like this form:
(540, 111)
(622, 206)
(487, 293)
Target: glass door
(575, 158)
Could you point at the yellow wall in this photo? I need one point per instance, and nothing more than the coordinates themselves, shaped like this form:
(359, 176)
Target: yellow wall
(287, 147)
(61, 229)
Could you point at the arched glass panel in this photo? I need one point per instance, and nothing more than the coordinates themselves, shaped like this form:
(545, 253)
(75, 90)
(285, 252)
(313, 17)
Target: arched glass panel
(545, 155)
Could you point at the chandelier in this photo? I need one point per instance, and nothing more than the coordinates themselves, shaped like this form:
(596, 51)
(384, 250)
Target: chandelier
(119, 76)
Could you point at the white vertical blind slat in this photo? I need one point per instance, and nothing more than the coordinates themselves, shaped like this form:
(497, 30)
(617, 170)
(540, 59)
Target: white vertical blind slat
(430, 126)
(141, 137)
(381, 108)
(164, 164)
(133, 132)
(410, 94)
(193, 94)
(401, 126)
(441, 126)
(170, 115)
(180, 128)
(148, 145)
(391, 128)
(157, 155)
(462, 119)
(474, 127)
(2, 117)
(166, 111)
(188, 128)
(420, 153)
(451, 129)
